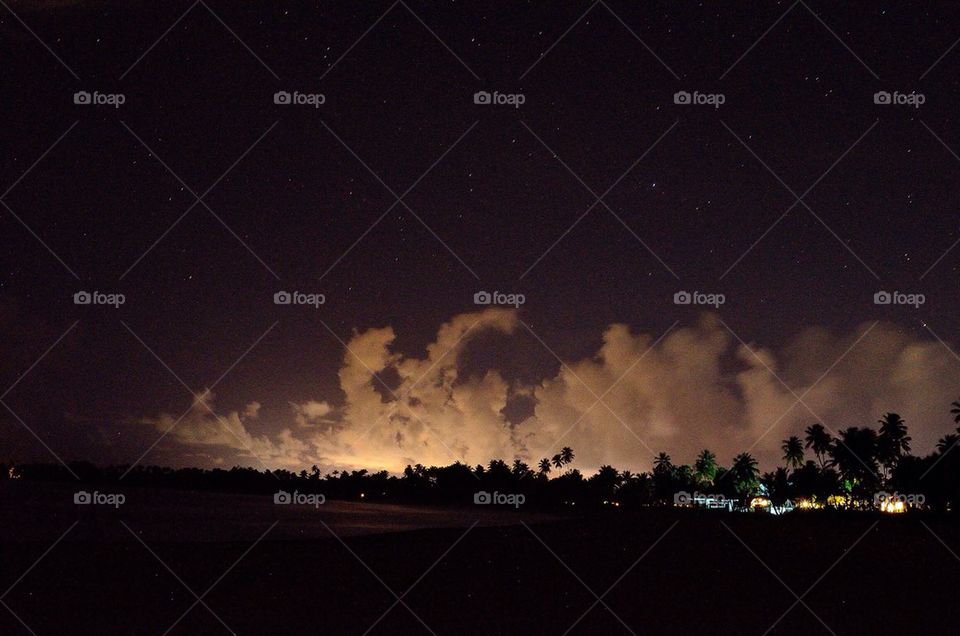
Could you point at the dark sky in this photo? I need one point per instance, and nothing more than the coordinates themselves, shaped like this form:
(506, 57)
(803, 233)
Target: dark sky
(200, 95)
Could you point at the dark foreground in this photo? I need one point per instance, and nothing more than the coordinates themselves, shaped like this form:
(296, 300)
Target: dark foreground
(703, 576)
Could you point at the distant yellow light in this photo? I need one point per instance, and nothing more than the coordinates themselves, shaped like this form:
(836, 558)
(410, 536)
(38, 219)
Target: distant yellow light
(893, 506)
(837, 500)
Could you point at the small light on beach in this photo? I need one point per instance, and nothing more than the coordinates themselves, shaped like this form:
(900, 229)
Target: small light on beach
(894, 506)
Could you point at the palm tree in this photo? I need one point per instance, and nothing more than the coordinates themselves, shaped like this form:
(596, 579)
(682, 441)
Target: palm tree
(498, 470)
(947, 442)
(819, 440)
(792, 451)
(558, 461)
(745, 472)
(664, 482)
(955, 411)
(520, 468)
(705, 468)
(893, 441)
(662, 463)
(778, 487)
(854, 453)
(566, 454)
(606, 482)
(544, 466)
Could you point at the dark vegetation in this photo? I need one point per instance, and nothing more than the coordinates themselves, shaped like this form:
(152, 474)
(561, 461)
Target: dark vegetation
(846, 471)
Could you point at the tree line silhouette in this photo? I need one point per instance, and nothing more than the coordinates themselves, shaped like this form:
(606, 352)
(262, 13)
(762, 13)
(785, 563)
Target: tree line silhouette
(845, 471)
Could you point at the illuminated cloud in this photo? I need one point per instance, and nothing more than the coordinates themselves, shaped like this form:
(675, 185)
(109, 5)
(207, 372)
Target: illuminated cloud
(311, 413)
(432, 416)
(698, 387)
(202, 426)
(252, 410)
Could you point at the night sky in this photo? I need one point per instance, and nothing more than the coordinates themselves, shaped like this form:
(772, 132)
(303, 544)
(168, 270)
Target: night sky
(494, 197)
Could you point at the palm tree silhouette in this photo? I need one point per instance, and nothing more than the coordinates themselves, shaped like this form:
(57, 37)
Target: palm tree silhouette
(955, 411)
(745, 472)
(855, 455)
(566, 454)
(819, 440)
(705, 468)
(558, 461)
(792, 451)
(893, 441)
(947, 442)
(544, 466)
(778, 487)
(662, 462)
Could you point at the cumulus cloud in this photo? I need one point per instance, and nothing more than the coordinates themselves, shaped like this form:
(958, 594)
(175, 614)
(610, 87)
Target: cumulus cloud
(697, 387)
(311, 413)
(252, 410)
(201, 426)
(433, 415)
